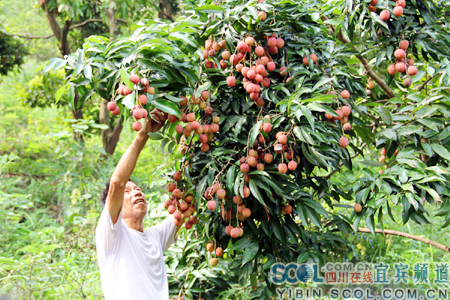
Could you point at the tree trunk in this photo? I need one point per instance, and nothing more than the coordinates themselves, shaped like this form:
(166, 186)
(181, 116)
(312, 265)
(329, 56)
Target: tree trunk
(112, 22)
(60, 34)
(424, 157)
(110, 137)
(165, 10)
(77, 114)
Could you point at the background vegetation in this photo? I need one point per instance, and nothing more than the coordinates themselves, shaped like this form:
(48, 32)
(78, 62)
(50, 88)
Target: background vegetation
(50, 185)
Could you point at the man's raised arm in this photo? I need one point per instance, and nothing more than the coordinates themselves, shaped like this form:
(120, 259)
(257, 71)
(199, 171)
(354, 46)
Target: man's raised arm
(127, 163)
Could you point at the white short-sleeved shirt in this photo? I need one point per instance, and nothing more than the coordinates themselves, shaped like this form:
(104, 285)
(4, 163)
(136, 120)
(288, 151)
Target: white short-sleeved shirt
(131, 262)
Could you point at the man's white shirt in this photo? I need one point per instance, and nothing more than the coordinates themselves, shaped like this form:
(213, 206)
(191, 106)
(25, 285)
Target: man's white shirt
(131, 262)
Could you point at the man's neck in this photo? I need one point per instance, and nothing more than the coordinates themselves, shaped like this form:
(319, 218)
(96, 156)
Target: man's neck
(135, 224)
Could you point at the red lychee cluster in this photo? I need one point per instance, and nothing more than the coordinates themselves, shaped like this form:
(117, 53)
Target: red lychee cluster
(386, 14)
(181, 204)
(206, 131)
(342, 117)
(370, 85)
(403, 63)
(255, 75)
(219, 252)
(138, 111)
(251, 59)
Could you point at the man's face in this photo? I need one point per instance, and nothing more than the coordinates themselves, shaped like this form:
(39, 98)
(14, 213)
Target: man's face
(134, 204)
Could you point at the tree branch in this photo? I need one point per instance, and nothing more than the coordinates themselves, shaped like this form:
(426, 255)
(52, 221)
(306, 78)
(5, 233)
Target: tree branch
(407, 235)
(85, 22)
(428, 80)
(340, 165)
(363, 61)
(28, 36)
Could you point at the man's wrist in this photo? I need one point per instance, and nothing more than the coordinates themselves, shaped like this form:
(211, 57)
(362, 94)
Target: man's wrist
(143, 135)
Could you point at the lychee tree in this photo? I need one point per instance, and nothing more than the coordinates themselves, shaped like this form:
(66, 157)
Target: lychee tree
(269, 102)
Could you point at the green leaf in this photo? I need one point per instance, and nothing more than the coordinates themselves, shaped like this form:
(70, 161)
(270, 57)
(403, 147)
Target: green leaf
(150, 65)
(255, 192)
(445, 133)
(174, 99)
(307, 113)
(385, 115)
(88, 72)
(71, 97)
(84, 97)
(50, 64)
(230, 178)
(241, 244)
(126, 79)
(255, 132)
(315, 16)
(128, 101)
(155, 136)
(315, 106)
(370, 222)
(190, 74)
(432, 192)
(250, 252)
(322, 81)
(377, 19)
(201, 188)
(302, 257)
(61, 91)
(31, 249)
(78, 69)
(371, 163)
(167, 106)
(441, 151)
(210, 9)
(430, 124)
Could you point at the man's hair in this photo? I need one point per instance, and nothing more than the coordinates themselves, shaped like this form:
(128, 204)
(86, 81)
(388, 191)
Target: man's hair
(106, 190)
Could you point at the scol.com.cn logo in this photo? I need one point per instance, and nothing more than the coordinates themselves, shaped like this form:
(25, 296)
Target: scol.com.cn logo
(360, 273)
(293, 273)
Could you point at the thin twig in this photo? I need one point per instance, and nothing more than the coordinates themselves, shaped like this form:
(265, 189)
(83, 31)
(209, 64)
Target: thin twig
(31, 37)
(428, 80)
(341, 164)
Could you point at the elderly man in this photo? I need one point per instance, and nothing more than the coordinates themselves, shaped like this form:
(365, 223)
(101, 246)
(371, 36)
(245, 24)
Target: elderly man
(131, 258)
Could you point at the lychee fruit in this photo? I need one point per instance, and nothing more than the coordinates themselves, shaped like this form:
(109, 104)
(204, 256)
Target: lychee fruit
(345, 94)
(398, 11)
(292, 165)
(343, 142)
(385, 15)
(137, 126)
(134, 78)
(211, 205)
(235, 232)
(282, 168)
(231, 81)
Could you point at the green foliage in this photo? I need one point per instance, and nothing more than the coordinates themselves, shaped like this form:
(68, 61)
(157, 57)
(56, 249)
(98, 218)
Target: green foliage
(12, 53)
(415, 122)
(49, 199)
(40, 91)
(413, 183)
(12, 14)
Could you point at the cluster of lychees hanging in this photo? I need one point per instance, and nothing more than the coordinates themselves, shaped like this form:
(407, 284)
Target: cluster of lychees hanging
(255, 75)
(342, 117)
(178, 209)
(138, 111)
(403, 63)
(386, 14)
(206, 131)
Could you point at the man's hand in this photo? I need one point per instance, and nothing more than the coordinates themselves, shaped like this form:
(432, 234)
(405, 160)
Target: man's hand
(151, 125)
